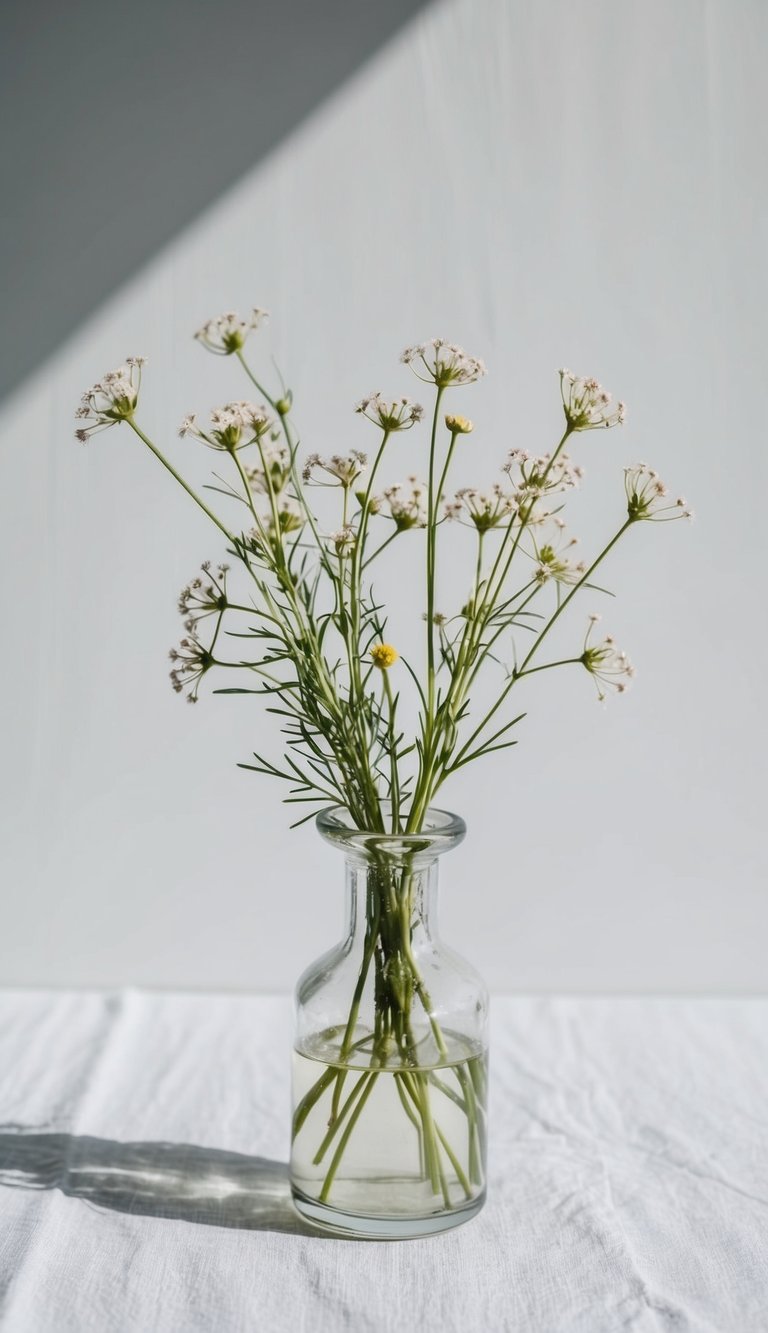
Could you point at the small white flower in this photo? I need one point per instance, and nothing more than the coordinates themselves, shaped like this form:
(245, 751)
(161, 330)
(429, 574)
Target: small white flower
(552, 564)
(390, 415)
(533, 477)
(232, 427)
(112, 400)
(609, 667)
(190, 663)
(443, 363)
(483, 509)
(344, 539)
(344, 469)
(587, 405)
(408, 507)
(647, 497)
(203, 597)
(225, 334)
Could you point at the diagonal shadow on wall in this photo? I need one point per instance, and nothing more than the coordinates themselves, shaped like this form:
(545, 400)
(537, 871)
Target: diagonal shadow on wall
(119, 125)
(183, 1181)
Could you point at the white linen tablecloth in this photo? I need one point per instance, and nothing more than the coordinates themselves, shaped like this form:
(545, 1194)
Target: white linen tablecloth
(143, 1187)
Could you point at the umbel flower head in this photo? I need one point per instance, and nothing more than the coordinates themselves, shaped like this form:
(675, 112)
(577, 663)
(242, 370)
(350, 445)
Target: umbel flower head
(383, 656)
(204, 596)
(390, 415)
(190, 663)
(552, 564)
(344, 540)
(408, 508)
(443, 363)
(232, 427)
(225, 334)
(608, 667)
(647, 497)
(110, 401)
(532, 476)
(483, 509)
(587, 405)
(343, 469)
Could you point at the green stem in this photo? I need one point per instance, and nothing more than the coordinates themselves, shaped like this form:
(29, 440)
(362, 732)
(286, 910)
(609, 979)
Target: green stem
(548, 666)
(394, 779)
(413, 1119)
(333, 1168)
(310, 1099)
(414, 1085)
(454, 1161)
(431, 508)
(338, 1120)
(177, 477)
(381, 548)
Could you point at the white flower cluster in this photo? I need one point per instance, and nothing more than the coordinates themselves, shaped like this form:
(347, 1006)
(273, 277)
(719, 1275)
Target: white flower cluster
(587, 405)
(110, 401)
(408, 507)
(203, 597)
(190, 663)
(443, 363)
(232, 426)
(343, 540)
(390, 415)
(483, 509)
(344, 468)
(225, 334)
(552, 565)
(647, 497)
(534, 476)
(609, 667)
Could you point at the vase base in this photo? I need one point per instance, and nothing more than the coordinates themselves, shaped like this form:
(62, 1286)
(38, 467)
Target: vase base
(366, 1227)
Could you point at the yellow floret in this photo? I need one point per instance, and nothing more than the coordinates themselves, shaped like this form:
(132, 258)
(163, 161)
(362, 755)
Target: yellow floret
(383, 655)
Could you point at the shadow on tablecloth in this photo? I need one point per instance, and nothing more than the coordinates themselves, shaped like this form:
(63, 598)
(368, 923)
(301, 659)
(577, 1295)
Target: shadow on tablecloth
(171, 1180)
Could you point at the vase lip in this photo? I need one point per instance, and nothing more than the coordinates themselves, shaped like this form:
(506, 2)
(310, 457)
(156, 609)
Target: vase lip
(441, 830)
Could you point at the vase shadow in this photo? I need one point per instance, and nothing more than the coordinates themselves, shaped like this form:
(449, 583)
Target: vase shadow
(181, 1181)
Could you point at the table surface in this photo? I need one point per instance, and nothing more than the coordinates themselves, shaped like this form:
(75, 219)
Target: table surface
(143, 1184)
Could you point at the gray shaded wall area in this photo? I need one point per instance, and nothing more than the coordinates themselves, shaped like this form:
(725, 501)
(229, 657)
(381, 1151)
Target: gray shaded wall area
(118, 124)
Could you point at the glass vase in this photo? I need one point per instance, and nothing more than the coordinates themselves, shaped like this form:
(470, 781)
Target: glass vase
(390, 1060)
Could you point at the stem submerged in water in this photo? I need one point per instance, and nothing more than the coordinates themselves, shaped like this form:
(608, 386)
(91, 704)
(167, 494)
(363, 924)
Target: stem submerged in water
(423, 1066)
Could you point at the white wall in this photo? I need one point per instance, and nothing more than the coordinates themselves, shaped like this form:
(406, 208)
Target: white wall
(560, 183)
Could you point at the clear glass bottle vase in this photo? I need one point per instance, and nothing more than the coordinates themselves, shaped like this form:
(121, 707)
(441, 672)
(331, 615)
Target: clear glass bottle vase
(390, 1060)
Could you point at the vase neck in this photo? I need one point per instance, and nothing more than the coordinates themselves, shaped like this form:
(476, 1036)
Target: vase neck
(378, 892)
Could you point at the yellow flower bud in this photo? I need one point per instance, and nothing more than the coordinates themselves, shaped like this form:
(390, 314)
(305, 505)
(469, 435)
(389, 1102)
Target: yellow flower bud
(459, 425)
(383, 655)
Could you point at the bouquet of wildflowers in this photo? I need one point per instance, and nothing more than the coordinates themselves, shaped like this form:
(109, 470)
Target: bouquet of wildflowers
(318, 638)
(305, 630)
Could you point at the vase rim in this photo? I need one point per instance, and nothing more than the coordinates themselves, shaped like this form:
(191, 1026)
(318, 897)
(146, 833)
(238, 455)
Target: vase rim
(441, 830)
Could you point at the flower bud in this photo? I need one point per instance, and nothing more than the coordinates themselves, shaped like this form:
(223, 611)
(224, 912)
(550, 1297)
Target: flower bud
(459, 425)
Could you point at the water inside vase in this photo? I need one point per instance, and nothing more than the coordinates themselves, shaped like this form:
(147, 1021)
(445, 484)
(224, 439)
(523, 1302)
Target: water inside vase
(402, 1140)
